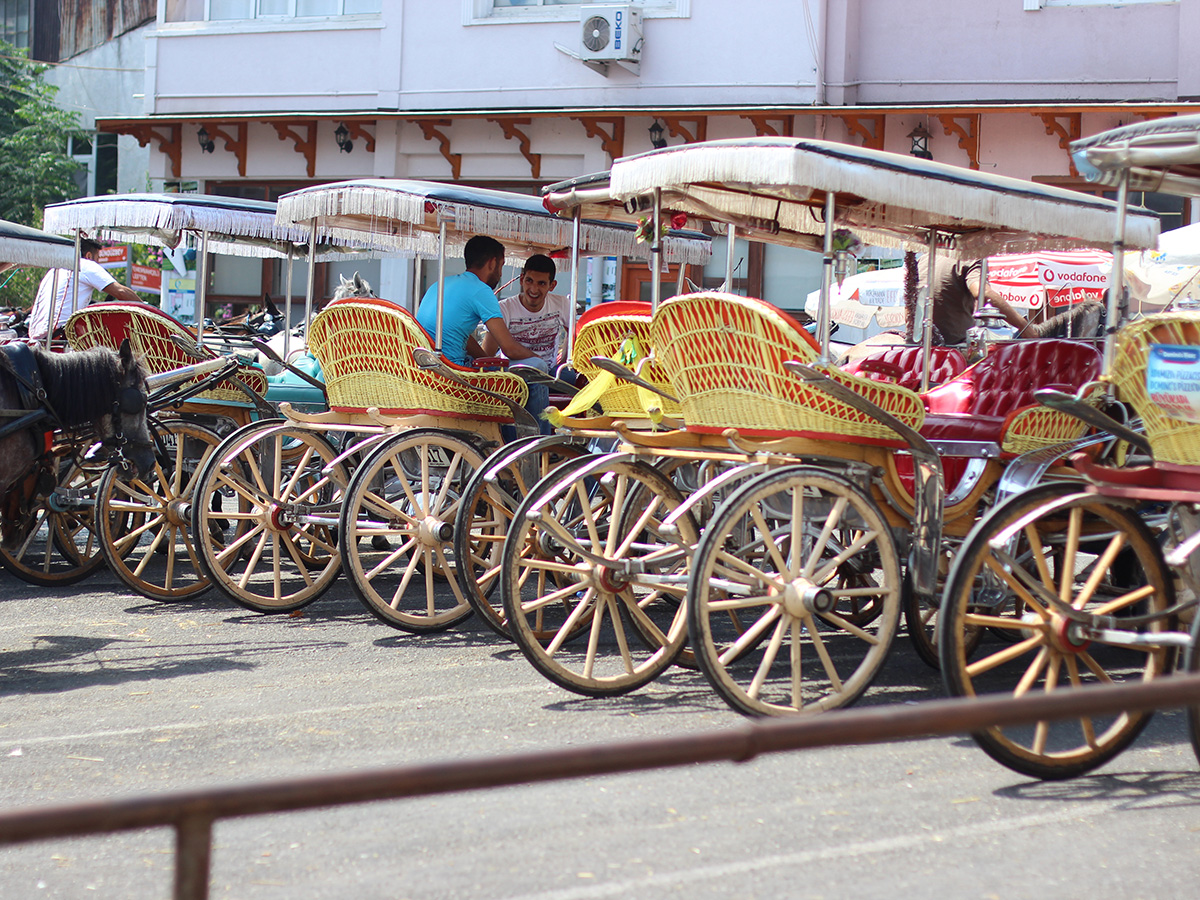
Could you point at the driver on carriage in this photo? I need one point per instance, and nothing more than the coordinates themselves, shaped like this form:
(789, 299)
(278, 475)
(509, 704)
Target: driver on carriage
(71, 298)
(469, 299)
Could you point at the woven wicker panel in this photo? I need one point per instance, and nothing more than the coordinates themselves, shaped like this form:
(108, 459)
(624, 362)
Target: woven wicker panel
(1172, 440)
(601, 332)
(149, 330)
(725, 355)
(365, 351)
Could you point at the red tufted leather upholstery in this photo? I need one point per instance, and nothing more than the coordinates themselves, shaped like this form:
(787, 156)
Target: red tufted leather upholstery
(946, 363)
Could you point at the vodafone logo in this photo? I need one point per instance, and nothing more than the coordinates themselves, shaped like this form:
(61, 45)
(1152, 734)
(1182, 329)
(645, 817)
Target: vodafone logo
(1051, 276)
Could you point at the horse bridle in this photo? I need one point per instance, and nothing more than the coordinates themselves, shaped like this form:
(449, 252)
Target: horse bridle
(130, 401)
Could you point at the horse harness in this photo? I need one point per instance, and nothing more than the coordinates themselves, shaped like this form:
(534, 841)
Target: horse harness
(38, 418)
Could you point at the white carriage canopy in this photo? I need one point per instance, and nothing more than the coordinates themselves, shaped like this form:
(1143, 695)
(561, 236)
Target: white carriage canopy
(21, 245)
(234, 226)
(1162, 155)
(408, 215)
(774, 189)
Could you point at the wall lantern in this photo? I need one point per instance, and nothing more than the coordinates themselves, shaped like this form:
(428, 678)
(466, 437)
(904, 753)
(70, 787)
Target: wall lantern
(920, 142)
(342, 135)
(656, 136)
(206, 143)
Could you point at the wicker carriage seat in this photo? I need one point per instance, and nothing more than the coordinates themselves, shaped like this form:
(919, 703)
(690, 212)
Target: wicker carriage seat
(725, 353)
(601, 331)
(993, 400)
(149, 330)
(365, 349)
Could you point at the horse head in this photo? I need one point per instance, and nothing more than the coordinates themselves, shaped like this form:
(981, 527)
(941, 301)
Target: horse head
(353, 287)
(127, 423)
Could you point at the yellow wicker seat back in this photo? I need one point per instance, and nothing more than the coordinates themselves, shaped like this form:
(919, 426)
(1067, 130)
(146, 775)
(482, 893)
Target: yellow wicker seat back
(600, 332)
(724, 354)
(1173, 441)
(149, 330)
(365, 349)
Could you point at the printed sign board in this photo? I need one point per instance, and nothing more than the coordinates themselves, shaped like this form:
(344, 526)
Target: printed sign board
(1173, 380)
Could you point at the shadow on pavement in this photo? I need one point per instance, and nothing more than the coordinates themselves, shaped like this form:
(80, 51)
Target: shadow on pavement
(1126, 790)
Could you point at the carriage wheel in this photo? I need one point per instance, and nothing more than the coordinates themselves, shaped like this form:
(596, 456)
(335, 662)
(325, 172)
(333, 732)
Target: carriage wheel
(266, 505)
(568, 574)
(397, 529)
(771, 603)
(63, 547)
(485, 514)
(145, 523)
(1079, 554)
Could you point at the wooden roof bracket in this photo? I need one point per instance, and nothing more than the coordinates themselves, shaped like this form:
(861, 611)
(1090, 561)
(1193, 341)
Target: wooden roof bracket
(675, 128)
(358, 131)
(967, 129)
(764, 128)
(612, 141)
(236, 145)
(857, 126)
(169, 144)
(512, 133)
(432, 129)
(1068, 127)
(304, 145)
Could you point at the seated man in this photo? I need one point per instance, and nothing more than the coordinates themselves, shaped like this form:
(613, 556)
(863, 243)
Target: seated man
(467, 300)
(68, 298)
(538, 319)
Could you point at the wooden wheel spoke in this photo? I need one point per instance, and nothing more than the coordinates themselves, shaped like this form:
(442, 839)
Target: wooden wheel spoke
(1033, 671)
(818, 550)
(750, 635)
(987, 663)
(768, 658)
(823, 653)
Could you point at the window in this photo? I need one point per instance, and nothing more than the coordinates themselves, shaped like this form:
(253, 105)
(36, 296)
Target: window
(476, 12)
(14, 22)
(225, 10)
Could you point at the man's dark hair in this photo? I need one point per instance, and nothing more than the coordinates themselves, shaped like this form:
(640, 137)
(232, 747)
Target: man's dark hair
(87, 246)
(540, 263)
(481, 250)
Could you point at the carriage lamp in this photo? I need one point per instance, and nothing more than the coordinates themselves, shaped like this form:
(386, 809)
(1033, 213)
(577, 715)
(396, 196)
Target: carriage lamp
(342, 135)
(656, 136)
(920, 142)
(206, 144)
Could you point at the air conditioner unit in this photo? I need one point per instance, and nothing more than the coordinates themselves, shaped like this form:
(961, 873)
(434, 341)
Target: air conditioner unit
(611, 33)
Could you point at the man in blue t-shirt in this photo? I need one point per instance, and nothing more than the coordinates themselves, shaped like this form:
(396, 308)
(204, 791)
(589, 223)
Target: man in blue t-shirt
(469, 299)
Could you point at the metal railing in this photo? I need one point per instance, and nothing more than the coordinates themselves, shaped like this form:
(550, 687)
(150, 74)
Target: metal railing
(193, 813)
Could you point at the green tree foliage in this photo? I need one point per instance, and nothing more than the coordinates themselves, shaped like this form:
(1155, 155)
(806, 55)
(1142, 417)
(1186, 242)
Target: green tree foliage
(35, 166)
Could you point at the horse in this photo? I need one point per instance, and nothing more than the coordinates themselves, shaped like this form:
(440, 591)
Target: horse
(97, 392)
(349, 287)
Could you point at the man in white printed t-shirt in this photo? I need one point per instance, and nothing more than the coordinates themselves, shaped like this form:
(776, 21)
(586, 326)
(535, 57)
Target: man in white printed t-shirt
(92, 276)
(538, 319)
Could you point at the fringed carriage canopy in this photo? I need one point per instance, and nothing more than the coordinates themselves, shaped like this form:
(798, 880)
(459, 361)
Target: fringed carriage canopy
(24, 246)
(407, 215)
(1162, 155)
(774, 189)
(235, 226)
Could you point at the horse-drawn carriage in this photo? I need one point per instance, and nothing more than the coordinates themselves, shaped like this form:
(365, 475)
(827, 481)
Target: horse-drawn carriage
(1068, 584)
(773, 525)
(373, 486)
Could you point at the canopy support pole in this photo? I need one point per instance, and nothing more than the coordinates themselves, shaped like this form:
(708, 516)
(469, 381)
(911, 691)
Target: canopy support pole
(826, 283)
(311, 286)
(53, 314)
(441, 288)
(201, 286)
(576, 226)
(927, 323)
(287, 304)
(1116, 277)
(731, 242)
(656, 253)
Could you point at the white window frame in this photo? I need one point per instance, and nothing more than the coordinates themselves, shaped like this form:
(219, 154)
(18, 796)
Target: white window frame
(484, 12)
(1035, 5)
(273, 17)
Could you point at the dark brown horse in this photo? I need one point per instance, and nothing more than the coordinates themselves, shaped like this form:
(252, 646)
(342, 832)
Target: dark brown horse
(97, 393)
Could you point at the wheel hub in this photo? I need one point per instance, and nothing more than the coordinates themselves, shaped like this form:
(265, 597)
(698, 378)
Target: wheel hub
(279, 518)
(608, 580)
(432, 531)
(1066, 635)
(802, 598)
(179, 512)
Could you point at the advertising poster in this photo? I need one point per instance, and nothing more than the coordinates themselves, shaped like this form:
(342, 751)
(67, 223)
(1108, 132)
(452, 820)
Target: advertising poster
(180, 299)
(1173, 380)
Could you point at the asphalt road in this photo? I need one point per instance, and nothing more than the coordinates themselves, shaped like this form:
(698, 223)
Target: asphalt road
(103, 695)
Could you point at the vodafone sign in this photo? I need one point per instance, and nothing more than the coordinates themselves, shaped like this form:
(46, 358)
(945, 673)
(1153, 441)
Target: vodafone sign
(1060, 278)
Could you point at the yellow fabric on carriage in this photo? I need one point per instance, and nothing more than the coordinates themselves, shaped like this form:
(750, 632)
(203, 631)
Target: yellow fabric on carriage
(724, 354)
(1172, 440)
(365, 350)
(149, 330)
(604, 330)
